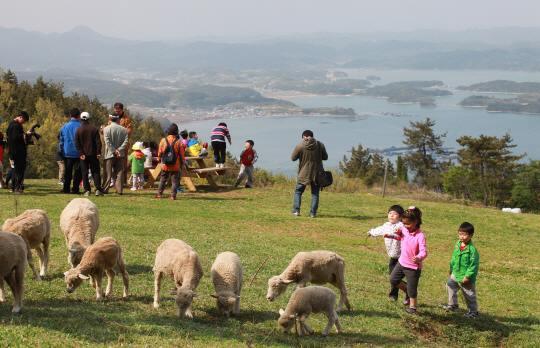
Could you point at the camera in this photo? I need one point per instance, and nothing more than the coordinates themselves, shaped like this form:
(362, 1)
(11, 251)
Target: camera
(33, 130)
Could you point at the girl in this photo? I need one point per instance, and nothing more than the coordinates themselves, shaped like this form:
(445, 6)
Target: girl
(413, 252)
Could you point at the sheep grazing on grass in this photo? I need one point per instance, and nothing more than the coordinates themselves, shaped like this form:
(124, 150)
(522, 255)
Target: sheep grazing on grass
(79, 222)
(317, 267)
(34, 226)
(228, 277)
(303, 302)
(100, 257)
(13, 255)
(179, 262)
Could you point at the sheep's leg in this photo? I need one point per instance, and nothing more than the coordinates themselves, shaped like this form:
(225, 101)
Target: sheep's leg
(125, 275)
(99, 289)
(338, 324)
(15, 280)
(40, 257)
(303, 319)
(340, 284)
(157, 287)
(110, 279)
(237, 306)
(332, 316)
(45, 262)
(2, 293)
(92, 280)
(189, 314)
(30, 260)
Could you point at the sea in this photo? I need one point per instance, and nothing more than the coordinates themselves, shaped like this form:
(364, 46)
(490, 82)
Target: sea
(276, 137)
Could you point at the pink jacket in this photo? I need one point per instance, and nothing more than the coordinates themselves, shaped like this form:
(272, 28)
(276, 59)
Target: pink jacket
(412, 244)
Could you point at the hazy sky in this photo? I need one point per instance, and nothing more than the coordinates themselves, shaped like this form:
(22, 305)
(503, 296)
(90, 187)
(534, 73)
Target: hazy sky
(169, 19)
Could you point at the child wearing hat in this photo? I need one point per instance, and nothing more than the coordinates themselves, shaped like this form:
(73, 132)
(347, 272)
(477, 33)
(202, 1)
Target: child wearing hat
(137, 159)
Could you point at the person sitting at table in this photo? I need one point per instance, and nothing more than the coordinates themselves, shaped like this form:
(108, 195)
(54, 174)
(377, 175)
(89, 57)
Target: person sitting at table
(170, 169)
(194, 147)
(154, 149)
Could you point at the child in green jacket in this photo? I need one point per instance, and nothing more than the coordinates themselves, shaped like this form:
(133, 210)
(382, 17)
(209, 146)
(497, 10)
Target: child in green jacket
(463, 272)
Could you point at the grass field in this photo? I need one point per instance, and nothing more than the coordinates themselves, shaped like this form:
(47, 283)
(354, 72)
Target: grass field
(255, 224)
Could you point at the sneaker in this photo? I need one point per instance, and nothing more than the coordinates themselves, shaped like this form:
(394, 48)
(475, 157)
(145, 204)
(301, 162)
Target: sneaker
(179, 191)
(247, 186)
(5, 186)
(406, 302)
(295, 213)
(99, 193)
(312, 216)
(87, 193)
(173, 198)
(159, 196)
(236, 185)
(140, 187)
(452, 308)
(393, 298)
(61, 183)
(217, 165)
(470, 315)
(411, 311)
(133, 189)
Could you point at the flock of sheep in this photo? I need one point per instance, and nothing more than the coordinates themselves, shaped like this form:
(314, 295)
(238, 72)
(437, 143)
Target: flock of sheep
(175, 259)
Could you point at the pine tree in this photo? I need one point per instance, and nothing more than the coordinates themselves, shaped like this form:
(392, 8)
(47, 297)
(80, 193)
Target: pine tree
(401, 170)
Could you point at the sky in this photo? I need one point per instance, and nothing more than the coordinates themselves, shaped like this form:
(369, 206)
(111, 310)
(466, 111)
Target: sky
(177, 19)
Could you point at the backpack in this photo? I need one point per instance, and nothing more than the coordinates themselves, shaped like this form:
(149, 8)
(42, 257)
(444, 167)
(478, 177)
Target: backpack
(169, 155)
(324, 177)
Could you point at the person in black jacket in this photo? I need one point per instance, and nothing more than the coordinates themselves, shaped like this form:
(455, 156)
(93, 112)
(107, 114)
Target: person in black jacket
(2, 145)
(88, 145)
(17, 140)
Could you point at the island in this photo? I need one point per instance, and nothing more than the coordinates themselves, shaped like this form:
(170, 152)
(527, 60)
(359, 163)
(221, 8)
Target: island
(335, 111)
(408, 92)
(524, 104)
(502, 86)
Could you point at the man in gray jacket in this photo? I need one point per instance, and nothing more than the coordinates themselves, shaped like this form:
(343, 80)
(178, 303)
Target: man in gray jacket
(116, 140)
(311, 153)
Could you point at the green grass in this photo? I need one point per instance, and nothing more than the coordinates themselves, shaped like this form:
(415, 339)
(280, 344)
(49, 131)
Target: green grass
(255, 224)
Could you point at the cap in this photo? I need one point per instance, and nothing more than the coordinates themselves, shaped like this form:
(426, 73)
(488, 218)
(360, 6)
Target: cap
(114, 116)
(85, 116)
(138, 145)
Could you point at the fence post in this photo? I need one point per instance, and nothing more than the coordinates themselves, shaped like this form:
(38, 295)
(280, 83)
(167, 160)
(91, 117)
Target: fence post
(385, 172)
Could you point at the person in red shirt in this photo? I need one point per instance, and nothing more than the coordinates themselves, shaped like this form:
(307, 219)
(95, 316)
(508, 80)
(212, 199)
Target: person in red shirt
(171, 169)
(248, 157)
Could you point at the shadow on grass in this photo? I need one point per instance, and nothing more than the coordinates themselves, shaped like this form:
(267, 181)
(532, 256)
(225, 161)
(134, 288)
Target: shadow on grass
(358, 217)
(367, 313)
(137, 269)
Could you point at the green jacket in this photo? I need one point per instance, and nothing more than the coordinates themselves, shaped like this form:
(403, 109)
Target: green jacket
(465, 263)
(309, 152)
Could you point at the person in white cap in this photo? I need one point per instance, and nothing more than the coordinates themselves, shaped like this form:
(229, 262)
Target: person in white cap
(88, 144)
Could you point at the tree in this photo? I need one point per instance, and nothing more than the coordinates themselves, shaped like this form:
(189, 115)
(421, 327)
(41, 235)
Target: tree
(401, 170)
(365, 166)
(491, 159)
(425, 146)
(526, 190)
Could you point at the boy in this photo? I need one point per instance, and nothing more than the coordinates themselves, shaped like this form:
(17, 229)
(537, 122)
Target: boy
(463, 271)
(194, 148)
(247, 157)
(219, 146)
(393, 246)
(137, 159)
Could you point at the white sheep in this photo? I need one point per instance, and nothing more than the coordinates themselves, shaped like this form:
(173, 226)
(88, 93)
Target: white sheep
(228, 277)
(79, 222)
(34, 226)
(178, 261)
(13, 255)
(303, 302)
(100, 257)
(318, 267)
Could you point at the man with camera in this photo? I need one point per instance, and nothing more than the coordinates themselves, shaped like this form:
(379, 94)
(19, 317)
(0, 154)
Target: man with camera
(17, 141)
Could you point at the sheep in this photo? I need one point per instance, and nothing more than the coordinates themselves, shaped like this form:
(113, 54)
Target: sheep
(318, 267)
(303, 302)
(101, 256)
(34, 226)
(179, 262)
(228, 277)
(79, 222)
(13, 256)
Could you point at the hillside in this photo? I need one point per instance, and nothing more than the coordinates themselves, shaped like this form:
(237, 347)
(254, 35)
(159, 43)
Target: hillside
(256, 225)
(502, 86)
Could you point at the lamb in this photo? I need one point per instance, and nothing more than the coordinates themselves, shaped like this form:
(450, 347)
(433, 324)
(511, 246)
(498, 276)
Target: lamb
(79, 222)
(13, 256)
(34, 226)
(303, 302)
(99, 257)
(179, 262)
(318, 267)
(228, 277)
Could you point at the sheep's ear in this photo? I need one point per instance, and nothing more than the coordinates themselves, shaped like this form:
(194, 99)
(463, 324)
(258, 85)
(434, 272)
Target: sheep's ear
(82, 276)
(292, 316)
(238, 296)
(287, 281)
(214, 296)
(72, 251)
(66, 273)
(174, 293)
(196, 295)
(281, 311)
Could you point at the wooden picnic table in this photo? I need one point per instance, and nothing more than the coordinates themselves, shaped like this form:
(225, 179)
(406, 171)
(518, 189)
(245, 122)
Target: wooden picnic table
(203, 172)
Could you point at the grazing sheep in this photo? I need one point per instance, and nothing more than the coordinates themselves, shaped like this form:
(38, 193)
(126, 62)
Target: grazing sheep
(79, 222)
(318, 267)
(228, 277)
(13, 255)
(179, 262)
(100, 257)
(34, 226)
(303, 302)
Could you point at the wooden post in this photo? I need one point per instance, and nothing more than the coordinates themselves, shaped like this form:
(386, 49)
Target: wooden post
(385, 172)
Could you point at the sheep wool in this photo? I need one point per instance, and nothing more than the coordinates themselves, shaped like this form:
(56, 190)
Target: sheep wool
(178, 261)
(34, 227)
(12, 266)
(317, 267)
(228, 278)
(79, 222)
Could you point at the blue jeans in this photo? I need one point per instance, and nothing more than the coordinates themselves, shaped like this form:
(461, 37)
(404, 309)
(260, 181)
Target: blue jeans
(299, 190)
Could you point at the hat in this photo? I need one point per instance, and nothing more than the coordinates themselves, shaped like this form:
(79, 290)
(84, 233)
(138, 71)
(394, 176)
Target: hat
(114, 116)
(138, 145)
(85, 116)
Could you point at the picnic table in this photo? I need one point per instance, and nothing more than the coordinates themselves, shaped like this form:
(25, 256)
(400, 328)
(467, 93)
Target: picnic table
(202, 172)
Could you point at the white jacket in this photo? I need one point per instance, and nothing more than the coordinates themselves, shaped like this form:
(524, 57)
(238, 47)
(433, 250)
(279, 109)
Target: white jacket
(393, 246)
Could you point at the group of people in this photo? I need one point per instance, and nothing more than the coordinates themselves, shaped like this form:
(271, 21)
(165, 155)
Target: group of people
(406, 248)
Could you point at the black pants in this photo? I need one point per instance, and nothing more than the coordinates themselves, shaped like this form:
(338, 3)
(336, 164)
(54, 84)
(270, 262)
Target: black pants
(19, 166)
(220, 151)
(72, 164)
(93, 162)
(394, 292)
(412, 275)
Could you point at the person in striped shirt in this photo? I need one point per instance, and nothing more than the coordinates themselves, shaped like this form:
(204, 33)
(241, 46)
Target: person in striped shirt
(219, 145)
